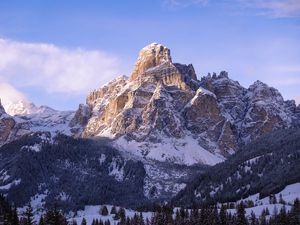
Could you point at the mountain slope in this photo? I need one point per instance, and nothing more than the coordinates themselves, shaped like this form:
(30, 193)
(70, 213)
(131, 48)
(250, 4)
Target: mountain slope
(264, 166)
(72, 171)
(41, 169)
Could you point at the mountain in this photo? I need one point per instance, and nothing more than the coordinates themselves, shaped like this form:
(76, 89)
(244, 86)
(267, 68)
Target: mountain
(144, 138)
(73, 171)
(23, 118)
(163, 112)
(24, 107)
(265, 167)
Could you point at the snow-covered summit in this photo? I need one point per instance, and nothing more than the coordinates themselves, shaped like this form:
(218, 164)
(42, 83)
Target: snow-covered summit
(23, 107)
(23, 117)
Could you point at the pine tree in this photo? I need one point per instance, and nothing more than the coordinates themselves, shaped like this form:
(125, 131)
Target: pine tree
(28, 215)
(54, 217)
(263, 220)
(83, 222)
(223, 216)
(253, 219)
(215, 216)
(113, 210)
(177, 217)
(104, 211)
(281, 201)
(294, 216)
(116, 216)
(15, 219)
(41, 222)
(282, 217)
(267, 212)
(122, 215)
(204, 216)
(240, 215)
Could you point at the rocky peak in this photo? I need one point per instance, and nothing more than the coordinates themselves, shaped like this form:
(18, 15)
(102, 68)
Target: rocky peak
(151, 56)
(260, 91)
(164, 112)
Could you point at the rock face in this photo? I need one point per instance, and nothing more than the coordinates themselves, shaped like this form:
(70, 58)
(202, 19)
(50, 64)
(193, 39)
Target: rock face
(149, 57)
(164, 112)
(251, 112)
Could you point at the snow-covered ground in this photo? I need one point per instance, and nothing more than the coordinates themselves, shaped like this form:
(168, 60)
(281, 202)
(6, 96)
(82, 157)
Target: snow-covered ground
(92, 212)
(273, 208)
(182, 151)
(288, 194)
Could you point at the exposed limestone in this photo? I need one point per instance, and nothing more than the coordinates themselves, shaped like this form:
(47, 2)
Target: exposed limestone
(149, 57)
(160, 101)
(165, 101)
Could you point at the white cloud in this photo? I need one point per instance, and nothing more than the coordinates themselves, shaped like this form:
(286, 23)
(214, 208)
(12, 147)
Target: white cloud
(9, 94)
(275, 8)
(55, 69)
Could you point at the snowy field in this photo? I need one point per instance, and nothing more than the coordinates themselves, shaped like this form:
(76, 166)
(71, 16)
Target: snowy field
(289, 194)
(92, 212)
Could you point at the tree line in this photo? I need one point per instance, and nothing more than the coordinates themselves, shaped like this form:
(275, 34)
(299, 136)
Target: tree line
(163, 215)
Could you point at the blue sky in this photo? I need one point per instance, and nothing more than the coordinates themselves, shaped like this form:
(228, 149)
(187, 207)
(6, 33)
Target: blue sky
(54, 52)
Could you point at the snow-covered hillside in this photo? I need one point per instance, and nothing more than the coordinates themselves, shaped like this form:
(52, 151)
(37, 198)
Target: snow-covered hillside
(289, 194)
(93, 212)
(284, 198)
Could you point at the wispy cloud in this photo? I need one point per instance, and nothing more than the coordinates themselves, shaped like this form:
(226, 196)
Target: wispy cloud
(10, 94)
(274, 8)
(55, 69)
(271, 8)
(177, 4)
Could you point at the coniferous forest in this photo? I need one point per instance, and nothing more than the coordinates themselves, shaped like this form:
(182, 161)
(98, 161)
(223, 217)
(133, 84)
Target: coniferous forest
(163, 215)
